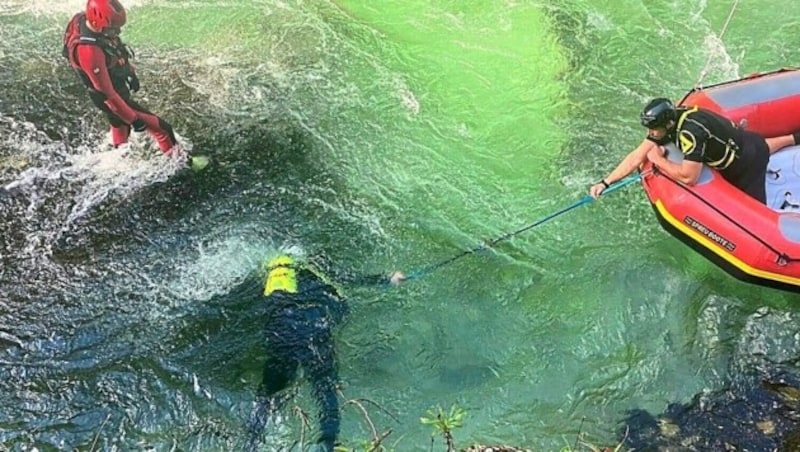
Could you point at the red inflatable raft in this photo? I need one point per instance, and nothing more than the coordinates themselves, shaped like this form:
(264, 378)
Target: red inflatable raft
(753, 242)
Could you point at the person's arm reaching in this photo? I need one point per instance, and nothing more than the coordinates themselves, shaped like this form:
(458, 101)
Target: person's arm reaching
(92, 61)
(394, 278)
(337, 306)
(627, 166)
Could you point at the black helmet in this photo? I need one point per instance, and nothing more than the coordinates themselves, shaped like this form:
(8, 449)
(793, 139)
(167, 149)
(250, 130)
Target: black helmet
(658, 113)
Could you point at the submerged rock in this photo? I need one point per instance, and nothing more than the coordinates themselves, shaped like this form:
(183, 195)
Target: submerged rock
(761, 415)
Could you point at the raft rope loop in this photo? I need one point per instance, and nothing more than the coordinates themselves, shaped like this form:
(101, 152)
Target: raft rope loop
(704, 72)
(491, 243)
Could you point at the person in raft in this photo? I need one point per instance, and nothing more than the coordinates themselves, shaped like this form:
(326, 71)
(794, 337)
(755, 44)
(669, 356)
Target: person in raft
(704, 137)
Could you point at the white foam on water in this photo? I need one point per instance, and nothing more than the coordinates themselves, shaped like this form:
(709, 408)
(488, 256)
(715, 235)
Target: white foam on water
(96, 176)
(121, 171)
(720, 62)
(213, 268)
(48, 7)
(219, 266)
(69, 7)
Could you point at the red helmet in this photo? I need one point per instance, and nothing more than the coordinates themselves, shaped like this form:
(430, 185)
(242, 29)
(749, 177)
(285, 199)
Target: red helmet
(103, 14)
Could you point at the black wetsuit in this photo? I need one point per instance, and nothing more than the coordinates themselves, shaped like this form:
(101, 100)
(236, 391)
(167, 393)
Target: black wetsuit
(298, 328)
(740, 156)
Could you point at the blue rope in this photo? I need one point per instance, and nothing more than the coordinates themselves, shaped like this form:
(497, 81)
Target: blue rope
(416, 274)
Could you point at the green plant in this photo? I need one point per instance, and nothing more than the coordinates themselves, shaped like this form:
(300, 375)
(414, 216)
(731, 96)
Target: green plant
(444, 423)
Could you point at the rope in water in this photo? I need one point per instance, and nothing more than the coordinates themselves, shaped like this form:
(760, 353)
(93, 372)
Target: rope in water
(491, 243)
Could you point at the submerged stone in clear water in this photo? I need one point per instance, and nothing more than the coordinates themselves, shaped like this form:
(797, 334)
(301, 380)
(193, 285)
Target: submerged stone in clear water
(760, 415)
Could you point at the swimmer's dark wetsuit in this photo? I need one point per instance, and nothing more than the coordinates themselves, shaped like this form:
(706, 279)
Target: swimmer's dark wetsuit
(301, 309)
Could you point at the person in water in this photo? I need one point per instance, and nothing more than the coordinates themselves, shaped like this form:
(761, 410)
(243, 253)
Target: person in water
(93, 47)
(301, 307)
(704, 137)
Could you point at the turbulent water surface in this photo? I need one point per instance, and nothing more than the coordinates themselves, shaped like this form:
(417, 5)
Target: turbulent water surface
(373, 136)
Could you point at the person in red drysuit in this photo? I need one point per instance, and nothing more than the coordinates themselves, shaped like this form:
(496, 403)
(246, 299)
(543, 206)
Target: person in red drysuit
(103, 62)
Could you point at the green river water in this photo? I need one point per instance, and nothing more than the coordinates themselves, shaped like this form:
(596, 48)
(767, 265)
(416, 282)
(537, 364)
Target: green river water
(381, 135)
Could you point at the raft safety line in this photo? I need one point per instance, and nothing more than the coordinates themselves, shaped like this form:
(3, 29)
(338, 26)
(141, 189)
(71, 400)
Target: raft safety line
(704, 72)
